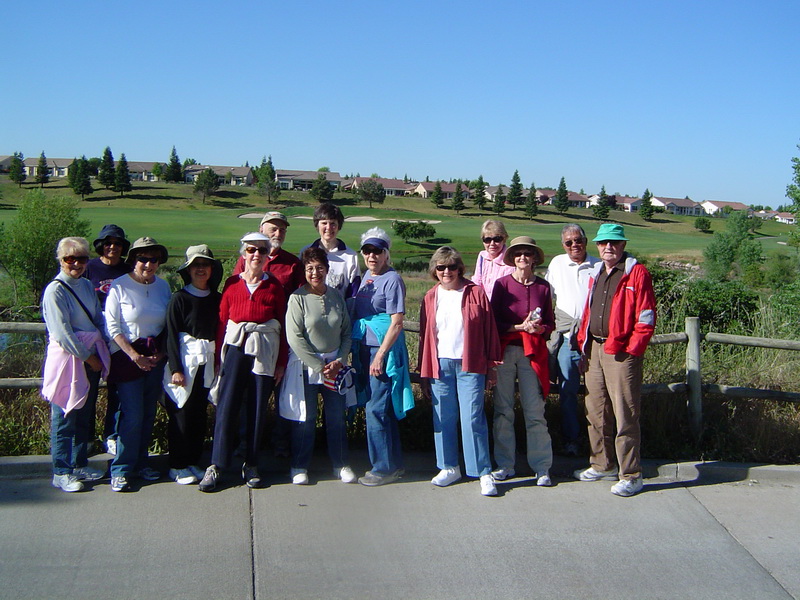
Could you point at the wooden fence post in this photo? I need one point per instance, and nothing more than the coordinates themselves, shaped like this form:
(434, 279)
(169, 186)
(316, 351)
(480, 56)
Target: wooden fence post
(694, 380)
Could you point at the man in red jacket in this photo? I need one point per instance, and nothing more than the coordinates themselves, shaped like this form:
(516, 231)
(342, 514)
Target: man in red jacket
(617, 324)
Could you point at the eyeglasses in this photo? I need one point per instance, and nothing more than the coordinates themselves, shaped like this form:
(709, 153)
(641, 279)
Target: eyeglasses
(317, 269)
(526, 253)
(579, 242)
(442, 268)
(148, 259)
(71, 260)
(253, 249)
(496, 239)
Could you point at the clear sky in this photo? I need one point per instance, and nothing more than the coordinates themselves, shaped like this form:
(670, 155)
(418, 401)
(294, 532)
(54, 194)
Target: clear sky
(698, 99)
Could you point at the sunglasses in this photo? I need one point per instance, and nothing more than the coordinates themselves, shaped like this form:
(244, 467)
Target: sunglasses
(442, 268)
(253, 249)
(569, 243)
(496, 239)
(71, 260)
(148, 259)
(110, 243)
(607, 242)
(371, 250)
(526, 253)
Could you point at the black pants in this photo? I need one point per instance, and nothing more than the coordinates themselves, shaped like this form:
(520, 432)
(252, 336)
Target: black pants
(187, 425)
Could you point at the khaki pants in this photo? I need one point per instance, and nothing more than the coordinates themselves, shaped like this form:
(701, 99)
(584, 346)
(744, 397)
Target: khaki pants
(613, 402)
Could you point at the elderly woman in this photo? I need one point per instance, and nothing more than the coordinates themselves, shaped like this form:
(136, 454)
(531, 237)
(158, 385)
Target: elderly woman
(523, 309)
(76, 356)
(191, 330)
(252, 352)
(381, 358)
(318, 332)
(112, 247)
(136, 314)
(458, 348)
(490, 266)
(344, 274)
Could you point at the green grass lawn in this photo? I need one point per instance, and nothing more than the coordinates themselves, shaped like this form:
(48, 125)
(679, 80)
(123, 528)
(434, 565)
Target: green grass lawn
(171, 214)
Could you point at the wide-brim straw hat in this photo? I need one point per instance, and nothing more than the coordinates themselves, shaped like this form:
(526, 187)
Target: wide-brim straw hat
(201, 251)
(522, 241)
(147, 243)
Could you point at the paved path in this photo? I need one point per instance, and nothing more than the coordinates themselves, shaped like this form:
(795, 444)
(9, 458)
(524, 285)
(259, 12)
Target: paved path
(713, 531)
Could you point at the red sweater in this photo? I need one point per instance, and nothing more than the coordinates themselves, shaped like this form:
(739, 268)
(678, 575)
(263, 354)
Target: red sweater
(267, 302)
(285, 266)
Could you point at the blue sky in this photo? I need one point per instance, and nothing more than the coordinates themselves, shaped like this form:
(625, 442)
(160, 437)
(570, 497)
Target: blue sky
(683, 98)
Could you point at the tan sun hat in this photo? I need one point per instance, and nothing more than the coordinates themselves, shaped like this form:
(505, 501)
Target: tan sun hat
(518, 243)
(201, 251)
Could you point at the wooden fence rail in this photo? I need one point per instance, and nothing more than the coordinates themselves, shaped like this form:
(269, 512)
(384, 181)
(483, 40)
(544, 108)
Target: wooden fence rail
(693, 385)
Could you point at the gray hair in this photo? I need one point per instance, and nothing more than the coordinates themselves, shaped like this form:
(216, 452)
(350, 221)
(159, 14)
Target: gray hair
(72, 245)
(572, 227)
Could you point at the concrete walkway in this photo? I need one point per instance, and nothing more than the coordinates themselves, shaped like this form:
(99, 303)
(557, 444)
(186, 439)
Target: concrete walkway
(696, 531)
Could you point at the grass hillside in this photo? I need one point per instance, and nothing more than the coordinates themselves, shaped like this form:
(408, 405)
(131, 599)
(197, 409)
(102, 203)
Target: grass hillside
(171, 214)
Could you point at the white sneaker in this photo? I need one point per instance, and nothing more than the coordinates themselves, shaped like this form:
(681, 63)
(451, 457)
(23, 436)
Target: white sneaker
(447, 476)
(182, 476)
(591, 474)
(67, 482)
(111, 446)
(627, 487)
(299, 476)
(543, 479)
(503, 474)
(488, 488)
(345, 474)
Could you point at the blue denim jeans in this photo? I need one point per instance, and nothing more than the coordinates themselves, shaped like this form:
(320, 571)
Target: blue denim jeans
(383, 433)
(138, 400)
(455, 395)
(304, 432)
(70, 435)
(569, 385)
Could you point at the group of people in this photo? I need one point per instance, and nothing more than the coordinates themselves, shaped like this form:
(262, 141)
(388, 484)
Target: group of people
(317, 326)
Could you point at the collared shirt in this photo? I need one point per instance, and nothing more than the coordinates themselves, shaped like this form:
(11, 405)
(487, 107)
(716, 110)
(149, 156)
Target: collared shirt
(570, 283)
(604, 290)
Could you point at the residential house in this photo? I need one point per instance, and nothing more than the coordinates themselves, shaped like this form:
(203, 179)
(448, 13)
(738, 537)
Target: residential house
(304, 180)
(239, 175)
(5, 163)
(425, 189)
(57, 167)
(785, 217)
(142, 171)
(713, 207)
(392, 187)
(766, 215)
(678, 206)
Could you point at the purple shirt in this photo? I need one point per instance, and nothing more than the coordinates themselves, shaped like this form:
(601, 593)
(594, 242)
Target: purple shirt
(513, 301)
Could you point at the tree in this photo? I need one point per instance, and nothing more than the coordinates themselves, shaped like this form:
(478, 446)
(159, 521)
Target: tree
(42, 171)
(72, 171)
(122, 177)
(26, 248)
(174, 173)
(733, 251)
(602, 208)
(499, 205)
(479, 192)
(413, 230)
(16, 170)
(206, 184)
(322, 191)
(702, 224)
(515, 191)
(793, 189)
(267, 184)
(157, 170)
(81, 183)
(94, 166)
(324, 170)
(646, 209)
(531, 204)
(105, 173)
(371, 190)
(458, 198)
(437, 197)
(561, 201)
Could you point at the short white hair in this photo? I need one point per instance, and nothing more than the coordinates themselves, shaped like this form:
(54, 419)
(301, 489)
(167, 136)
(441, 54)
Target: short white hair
(376, 232)
(72, 245)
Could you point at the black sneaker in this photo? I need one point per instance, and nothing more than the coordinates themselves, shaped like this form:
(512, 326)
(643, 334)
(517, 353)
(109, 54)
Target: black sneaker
(209, 481)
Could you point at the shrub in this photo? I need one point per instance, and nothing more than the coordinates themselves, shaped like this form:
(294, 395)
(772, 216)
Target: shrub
(702, 223)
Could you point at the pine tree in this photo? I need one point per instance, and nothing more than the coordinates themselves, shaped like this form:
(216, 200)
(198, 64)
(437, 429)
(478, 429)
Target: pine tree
(371, 190)
(72, 171)
(531, 204)
(322, 191)
(16, 171)
(646, 209)
(42, 172)
(561, 201)
(479, 190)
(174, 172)
(105, 173)
(206, 183)
(515, 191)
(601, 209)
(458, 199)
(499, 205)
(82, 183)
(437, 197)
(122, 177)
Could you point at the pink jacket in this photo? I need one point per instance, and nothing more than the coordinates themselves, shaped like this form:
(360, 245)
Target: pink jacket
(65, 381)
(488, 270)
(481, 342)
